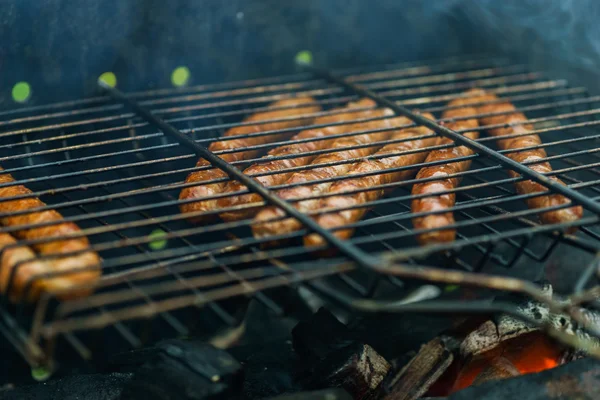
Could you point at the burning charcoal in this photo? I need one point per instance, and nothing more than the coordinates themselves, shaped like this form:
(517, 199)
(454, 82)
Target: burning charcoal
(320, 335)
(577, 380)
(89, 387)
(186, 370)
(357, 368)
(327, 394)
(498, 369)
(422, 371)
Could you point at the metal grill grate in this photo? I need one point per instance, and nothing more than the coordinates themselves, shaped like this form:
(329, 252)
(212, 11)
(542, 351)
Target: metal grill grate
(113, 174)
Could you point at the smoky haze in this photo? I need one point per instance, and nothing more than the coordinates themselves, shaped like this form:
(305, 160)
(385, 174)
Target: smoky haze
(538, 31)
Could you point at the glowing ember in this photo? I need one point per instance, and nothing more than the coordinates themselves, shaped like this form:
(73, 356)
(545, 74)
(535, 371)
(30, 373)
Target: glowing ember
(525, 354)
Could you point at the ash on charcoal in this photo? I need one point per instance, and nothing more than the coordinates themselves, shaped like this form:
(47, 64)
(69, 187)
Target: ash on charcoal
(326, 394)
(480, 340)
(509, 327)
(88, 387)
(183, 370)
(579, 380)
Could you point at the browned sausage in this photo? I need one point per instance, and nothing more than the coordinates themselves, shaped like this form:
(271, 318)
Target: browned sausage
(527, 187)
(86, 259)
(28, 265)
(345, 217)
(265, 229)
(290, 119)
(297, 148)
(444, 201)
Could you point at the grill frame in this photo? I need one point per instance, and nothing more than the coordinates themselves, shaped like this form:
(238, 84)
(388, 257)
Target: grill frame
(42, 329)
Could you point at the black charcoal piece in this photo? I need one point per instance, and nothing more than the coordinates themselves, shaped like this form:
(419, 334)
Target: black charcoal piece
(320, 335)
(88, 387)
(186, 371)
(577, 380)
(268, 368)
(325, 394)
(357, 368)
(394, 335)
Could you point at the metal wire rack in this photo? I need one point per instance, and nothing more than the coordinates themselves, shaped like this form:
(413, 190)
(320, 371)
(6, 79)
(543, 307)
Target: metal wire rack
(111, 172)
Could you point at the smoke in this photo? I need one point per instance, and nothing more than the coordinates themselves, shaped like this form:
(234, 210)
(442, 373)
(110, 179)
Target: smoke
(548, 31)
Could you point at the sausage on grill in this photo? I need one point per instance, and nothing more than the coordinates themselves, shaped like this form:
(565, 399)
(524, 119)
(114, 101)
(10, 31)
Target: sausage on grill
(291, 149)
(527, 187)
(28, 265)
(260, 228)
(84, 259)
(332, 220)
(291, 118)
(444, 201)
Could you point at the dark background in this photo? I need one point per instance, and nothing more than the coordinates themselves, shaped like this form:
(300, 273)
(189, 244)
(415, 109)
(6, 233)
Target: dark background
(60, 47)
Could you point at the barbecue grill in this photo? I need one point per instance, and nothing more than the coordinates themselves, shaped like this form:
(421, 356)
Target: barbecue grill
(114, 163)
(111, 172)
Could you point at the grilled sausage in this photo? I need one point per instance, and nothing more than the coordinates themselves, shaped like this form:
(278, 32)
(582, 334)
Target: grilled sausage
(282, 164)
(527, 187)
(292, 119)
(444, 201)
(85, 259)
(264, 229)
(344, 217)
(28, 265)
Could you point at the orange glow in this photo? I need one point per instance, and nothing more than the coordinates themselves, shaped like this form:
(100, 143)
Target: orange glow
(529, 353)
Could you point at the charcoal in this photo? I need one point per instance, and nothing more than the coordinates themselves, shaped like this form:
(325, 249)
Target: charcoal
(268, 368)
(320, 335)
(579, 380)
(499, 368)
(357, 368)
(88, 387)
(417, 376)
(392, 336)
(326, 394)
(186, 370)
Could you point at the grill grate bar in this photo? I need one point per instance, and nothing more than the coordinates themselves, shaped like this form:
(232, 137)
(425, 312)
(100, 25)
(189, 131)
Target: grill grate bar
(143, 311)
